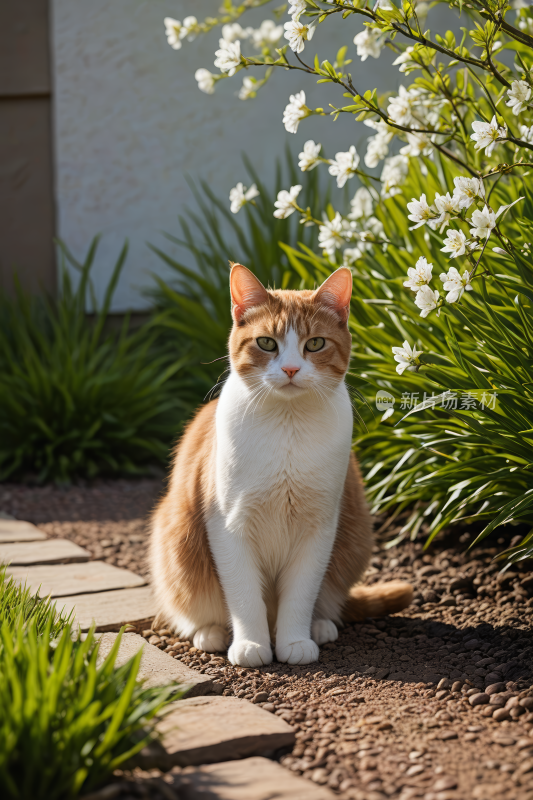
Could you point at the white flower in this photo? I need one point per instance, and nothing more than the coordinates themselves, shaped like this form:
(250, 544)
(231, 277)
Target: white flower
(455, 243)
(344, 166)
(228, 57)
(172, 32)
(206, 80)
(483, 222)
(286, 202)
(378, 146)
(330, 234)
(405, 61)
(233, 31)
(486, 135)
(189, 29)
(400, 108)
(466, 190)
(295, 111)
(296, 8)
(526, 133)
(248, 88)
(309, 157)
(419, 275)
(267, 34)
(420, 212)
(239, 196)
(361, 204)
(350, 256)
(393, 175)
(447, 208)
(297, 33)
(525, 23)
(519, 96)
(369, 43)
(407, 358)
(426, 299)
(373, 226)
(383, 129)
(376, 151)
(454, 284)
(418, 144)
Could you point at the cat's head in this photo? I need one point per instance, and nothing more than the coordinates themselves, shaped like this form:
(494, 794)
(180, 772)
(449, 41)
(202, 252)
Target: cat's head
(290, 341)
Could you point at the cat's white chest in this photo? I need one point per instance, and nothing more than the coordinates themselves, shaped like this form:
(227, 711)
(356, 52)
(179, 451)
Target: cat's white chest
(282, 465)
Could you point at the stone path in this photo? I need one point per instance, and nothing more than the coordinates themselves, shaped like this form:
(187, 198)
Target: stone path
(202, 729)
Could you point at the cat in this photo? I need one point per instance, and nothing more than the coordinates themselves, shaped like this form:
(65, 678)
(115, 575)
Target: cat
(264, 529)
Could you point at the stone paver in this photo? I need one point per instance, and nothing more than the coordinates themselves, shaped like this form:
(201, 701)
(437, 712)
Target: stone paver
(249, 779)
(15, 530)
(208, 729)
(111, 610)
(51, 551)
(157, 668)
(65, 581)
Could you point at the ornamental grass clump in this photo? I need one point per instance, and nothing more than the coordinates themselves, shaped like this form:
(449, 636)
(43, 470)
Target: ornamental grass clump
(66, 720)
(78, 398)
(439, 236)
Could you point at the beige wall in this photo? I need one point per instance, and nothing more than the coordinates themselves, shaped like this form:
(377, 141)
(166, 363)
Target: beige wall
(131, 123)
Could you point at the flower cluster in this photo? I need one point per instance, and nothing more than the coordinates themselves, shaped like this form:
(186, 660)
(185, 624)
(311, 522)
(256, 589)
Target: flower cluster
(446, 208)
(428, 299)
(435, 121)
(176, 31)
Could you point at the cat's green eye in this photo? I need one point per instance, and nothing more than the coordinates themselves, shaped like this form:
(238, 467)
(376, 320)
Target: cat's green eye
(266, 343)
(313, 345)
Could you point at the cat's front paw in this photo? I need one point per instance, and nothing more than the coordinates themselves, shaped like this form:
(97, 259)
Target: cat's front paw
(211, 639)
(324, 630)
(244, 653)
(302, 652)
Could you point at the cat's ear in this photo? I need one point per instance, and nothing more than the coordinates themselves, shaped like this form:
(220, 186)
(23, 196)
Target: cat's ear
(246, 291)
(336, 292)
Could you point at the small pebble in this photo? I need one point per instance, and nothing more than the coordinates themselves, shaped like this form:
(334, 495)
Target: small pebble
(504, 741)
(479, 699)
(494, 688)
(444, 783)
(500, 714)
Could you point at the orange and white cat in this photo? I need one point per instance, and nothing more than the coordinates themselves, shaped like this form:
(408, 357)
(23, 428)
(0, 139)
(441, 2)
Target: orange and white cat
(264, 529)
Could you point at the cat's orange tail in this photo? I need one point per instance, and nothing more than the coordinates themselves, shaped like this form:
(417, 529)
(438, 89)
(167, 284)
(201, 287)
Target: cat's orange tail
(377, 600)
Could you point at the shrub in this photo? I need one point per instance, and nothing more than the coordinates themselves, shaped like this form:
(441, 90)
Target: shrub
(67, 723)
(462, 179)
(78, 399)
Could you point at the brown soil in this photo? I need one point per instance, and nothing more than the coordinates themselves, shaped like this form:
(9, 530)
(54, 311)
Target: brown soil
(397, 707)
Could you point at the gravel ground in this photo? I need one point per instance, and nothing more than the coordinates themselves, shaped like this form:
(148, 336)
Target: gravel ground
(434, 703)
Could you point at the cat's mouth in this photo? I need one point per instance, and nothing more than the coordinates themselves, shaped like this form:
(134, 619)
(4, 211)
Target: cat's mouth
(290, 387)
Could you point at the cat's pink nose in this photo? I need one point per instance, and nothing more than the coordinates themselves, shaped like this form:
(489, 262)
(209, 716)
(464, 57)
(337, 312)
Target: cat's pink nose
(291, 371)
